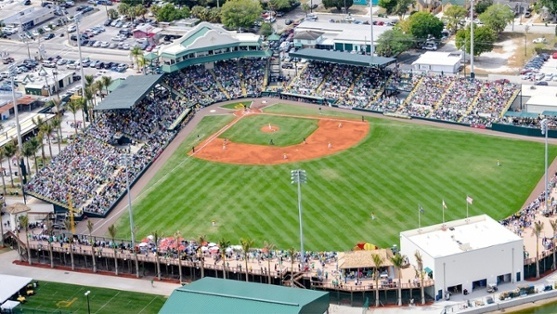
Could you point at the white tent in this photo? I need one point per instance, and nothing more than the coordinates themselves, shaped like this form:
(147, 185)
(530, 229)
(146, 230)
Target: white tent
(10, 285)
(8, 306)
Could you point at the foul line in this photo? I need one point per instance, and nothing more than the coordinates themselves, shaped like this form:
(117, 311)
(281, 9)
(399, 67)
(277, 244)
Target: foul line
(156, 184)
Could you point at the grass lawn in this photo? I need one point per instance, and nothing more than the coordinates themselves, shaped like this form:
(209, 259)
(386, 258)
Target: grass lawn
(237, 105)
(398, 166)
(52, 297)
(290, 131)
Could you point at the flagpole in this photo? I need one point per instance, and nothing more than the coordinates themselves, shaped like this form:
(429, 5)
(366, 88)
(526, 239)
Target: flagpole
(443, 205)
(466, 208)
(419, 217)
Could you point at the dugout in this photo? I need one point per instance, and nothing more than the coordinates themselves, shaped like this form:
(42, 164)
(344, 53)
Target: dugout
(213, 295)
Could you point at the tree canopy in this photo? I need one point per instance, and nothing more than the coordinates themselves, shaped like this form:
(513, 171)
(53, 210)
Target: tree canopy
(398, 7)
(169, 13)
(484, 37)
(338, 4)
(497, 17)
(482, 5)
(551, 5)
(278, 5)
(393, 42)
(453, 15)
(422, 24)
(240, 13)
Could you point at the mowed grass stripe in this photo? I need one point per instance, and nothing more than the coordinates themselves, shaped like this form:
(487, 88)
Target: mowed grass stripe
(398, 166)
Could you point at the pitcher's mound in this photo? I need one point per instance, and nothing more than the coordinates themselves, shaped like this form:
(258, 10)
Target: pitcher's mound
(269, 128)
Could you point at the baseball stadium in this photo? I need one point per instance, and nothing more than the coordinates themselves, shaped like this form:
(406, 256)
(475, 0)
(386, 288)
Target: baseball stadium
(219, 170)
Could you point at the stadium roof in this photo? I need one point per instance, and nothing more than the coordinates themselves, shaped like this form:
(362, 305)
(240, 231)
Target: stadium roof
(129, 92)
(341, 57)
(231, 296)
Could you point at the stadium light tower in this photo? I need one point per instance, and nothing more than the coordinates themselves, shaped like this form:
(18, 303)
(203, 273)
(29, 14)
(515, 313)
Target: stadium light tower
(472, 74)
(298, 177)
(12, 70)
(87, 296)
(77, 19)
(545, 131)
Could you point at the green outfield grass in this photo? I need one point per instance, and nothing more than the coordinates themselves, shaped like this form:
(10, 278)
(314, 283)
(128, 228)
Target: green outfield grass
(290, 131)
(398, 166)
(237, 105)
(52, 297)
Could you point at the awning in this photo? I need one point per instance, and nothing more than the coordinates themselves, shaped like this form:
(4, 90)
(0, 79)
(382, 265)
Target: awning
(550, 113)
(273, 37)
(428, 270)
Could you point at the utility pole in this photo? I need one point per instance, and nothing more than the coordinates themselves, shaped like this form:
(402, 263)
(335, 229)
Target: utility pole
(298, 177)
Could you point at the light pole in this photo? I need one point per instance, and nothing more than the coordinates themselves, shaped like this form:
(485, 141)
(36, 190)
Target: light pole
(77, 19)
(545, 131)
(12, 69)
(87, 296)
(472, 74)
(131, 212)
(298, 177)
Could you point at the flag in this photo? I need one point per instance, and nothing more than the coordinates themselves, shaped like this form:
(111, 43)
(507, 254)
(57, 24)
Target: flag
(444, 205)
(420, 208)
(469, 200)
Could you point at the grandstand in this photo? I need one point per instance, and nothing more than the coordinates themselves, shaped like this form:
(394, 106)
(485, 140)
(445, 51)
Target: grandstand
(144, 113)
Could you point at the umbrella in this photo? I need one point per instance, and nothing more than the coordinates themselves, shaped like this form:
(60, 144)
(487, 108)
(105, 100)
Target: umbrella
(211, 244)
(143, 244)
(229, 250)
(204, 249)
(237, 248)
(213, 249)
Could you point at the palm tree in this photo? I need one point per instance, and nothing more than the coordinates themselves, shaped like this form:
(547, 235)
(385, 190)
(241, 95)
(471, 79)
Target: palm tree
(177, 236)
(24, 221)
(269, 247)
(112, 233)
(536, 231)
(74, 106)
(56, 123)
(223, 244)
(50, 253)
(2, 154)
(398, 261)
(553, 240)
(40, 123)
(28, 151)
(90, 229)
(246, 246)
(291, 253)
(377, 262)
(123, 9)
(141, 64)
(68, 225)
(156, 239)
(47, 130)
(201, 240)
(420, 262)
(10, 150)
(107, 81)
(135, 53)
(89, 96)
(89, 79)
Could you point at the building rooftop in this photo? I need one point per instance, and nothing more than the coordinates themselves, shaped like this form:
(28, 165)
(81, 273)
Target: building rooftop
(458, 236)
(439, 58)
(540, 95)
(344, 31)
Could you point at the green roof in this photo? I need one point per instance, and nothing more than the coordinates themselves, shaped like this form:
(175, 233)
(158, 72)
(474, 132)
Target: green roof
(550, 113)
(192, 37)
(232, 296)
(522, 114)
(341, 57)
(129, 92)
(114, 85)
(273, 37)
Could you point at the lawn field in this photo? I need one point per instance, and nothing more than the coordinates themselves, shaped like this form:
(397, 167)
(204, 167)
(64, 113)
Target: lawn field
(398, 166)
(286, 130)
(52, 297)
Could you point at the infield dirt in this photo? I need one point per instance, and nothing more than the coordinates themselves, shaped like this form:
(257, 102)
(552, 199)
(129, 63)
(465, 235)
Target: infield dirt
(332, 136)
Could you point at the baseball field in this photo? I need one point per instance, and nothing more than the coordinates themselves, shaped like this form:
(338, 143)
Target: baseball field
(387, 173)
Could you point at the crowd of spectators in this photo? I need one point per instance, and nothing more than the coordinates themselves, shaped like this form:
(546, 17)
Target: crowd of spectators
(491, 103)
(92, 169)
(308, 80)
(457, 99)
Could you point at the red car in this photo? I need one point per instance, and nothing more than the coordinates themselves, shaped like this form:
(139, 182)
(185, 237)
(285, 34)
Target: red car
(555, 55)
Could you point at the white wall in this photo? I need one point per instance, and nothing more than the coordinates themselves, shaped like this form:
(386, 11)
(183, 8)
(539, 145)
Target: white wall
(486, 263)
(449, 69)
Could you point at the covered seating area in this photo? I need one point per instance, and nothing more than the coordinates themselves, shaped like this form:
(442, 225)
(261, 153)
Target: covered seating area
(14, 290)
(359, 267)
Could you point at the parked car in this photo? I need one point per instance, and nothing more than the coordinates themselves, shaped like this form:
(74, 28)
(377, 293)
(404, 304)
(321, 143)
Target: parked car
(539, 40)
(541, 83)
(48, 36)
(429, 46)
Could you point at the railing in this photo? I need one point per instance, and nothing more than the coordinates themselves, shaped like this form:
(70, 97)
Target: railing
(366, 286)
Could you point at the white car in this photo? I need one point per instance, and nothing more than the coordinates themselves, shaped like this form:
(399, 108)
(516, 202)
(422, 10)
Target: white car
(539, 40)
(555, 77)
(548, 77)
(72, 28)
(429, 46)
(539, 76)
(104, 44)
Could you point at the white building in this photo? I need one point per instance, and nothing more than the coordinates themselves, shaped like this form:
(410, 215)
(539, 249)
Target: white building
(343, 36)
(466, 254)
(537, 99)
(440, 62)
